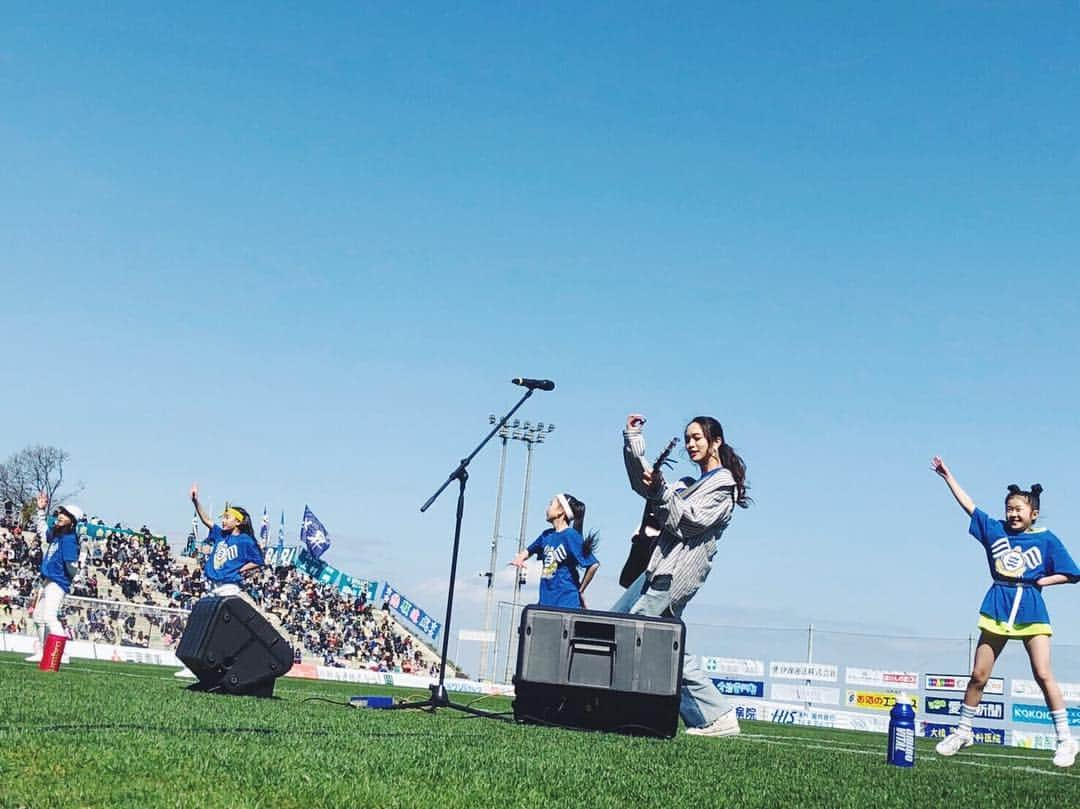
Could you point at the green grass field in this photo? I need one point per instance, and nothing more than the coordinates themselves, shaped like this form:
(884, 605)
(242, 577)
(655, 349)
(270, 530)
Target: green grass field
(112, 734)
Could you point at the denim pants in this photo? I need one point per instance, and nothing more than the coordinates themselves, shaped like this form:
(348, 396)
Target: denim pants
(700, 702)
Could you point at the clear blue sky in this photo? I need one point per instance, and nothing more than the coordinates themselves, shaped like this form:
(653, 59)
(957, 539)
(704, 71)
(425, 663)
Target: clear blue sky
(296, 255)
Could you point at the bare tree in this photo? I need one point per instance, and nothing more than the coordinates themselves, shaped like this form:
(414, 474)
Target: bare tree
(34, 469)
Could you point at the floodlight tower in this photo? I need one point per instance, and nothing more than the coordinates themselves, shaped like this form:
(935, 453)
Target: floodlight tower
(485, 646)
(531, 434)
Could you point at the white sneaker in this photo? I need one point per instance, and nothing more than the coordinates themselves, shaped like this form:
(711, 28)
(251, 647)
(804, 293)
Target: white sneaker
(726, 725)
(954, 743)
(1066, 753)
(34, 658)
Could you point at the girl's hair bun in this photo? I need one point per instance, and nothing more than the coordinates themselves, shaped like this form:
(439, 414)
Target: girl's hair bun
(1036, 489)
(1014, 489)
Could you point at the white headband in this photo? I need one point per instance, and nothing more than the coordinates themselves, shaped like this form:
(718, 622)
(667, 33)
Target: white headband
(565, 507)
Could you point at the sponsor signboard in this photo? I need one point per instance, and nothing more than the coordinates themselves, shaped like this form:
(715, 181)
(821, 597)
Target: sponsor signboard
(815, 672)
(739, 688)
(877, 700)
(934, 730)
(737, 666)
(880, 678)
(1033, 741)
(1030, 689)
(1040, 714)
(790, 714)
(958, 682)
(950, 706)
(791, 692)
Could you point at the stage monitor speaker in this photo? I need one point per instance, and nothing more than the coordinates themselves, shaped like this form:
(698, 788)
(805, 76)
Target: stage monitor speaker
(599, 671)
(233, 649)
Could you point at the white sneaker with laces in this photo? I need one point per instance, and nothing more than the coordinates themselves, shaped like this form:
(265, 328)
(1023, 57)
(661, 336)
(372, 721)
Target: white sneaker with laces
(726, 725)
(1066, 753)
(954, 743)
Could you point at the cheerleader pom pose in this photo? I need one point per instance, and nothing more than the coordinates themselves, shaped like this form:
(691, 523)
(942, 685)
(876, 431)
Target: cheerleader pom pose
(1023, 560)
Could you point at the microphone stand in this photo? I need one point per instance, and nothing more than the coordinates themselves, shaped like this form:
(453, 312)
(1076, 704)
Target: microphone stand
(439, 698)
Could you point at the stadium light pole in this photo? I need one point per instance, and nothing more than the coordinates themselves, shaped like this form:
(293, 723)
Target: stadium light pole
(486, 646)
(531, 435)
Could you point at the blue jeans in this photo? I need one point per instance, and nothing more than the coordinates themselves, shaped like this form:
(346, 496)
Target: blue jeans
(700, 703)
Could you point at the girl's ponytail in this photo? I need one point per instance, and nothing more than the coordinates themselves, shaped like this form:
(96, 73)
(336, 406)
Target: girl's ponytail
(592, 539)
(729, 458)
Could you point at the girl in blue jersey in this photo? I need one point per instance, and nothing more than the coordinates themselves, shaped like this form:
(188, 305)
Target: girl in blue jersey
(234, 553)
(564, 553)
(1023, 560)
(59, 563)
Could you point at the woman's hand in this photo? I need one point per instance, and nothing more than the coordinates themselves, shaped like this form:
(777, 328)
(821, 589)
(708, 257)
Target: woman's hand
(42, 501)
(654, 481)
(635, 421)
(940, 468)
(194, 492)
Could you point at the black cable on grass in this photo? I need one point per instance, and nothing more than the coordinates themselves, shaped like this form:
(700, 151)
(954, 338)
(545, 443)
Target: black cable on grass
(537, 720)
(324, 699)
(66, 728)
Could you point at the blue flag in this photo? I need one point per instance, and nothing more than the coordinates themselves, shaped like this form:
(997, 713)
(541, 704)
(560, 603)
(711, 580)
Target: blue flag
(264, 529)
(313, 534)
(281, 532)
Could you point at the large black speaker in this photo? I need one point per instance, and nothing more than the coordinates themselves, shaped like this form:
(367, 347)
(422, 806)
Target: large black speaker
(232, 649)
(599, 671)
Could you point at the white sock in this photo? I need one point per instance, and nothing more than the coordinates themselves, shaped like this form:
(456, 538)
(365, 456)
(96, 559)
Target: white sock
(1061, 724)
(967, 716)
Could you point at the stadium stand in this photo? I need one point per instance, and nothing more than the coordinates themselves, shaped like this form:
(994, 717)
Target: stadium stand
(132, 591)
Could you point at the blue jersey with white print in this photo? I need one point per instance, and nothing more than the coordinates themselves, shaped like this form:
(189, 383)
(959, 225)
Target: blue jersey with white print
(229, 553)
(562, 553)
(1019, 559)
(61, 551)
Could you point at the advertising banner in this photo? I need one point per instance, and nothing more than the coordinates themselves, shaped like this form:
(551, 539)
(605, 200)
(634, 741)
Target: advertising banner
(815, 672)
(958, 682)
(1029, 689)
(736, 666)
(281, 557)
(328, 574)
(877, 700)
(934, 730)
(739, 688)
(410, 612)
(950, 706)
(1033, 741)
(881, 679)
(790, 692)
(1040, 714)
(789, 714)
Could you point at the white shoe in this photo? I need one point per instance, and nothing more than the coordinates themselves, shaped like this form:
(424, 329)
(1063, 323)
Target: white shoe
(1066, 753)
(34, 658)
(954, 743)
(184, 672)
(726, 725)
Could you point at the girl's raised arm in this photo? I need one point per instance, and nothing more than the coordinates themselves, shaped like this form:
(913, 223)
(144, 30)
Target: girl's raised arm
(198, 506)
(962, 497)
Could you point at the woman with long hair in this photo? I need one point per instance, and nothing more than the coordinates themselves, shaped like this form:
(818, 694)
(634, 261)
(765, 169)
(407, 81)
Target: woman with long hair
(691, 518)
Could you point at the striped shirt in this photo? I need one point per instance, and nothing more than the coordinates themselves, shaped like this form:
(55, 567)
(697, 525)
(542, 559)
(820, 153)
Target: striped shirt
(692, 519)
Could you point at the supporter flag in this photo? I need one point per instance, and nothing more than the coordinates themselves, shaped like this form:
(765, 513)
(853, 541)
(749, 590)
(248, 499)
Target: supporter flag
(313, 534)
(281, 532)
(264, 529)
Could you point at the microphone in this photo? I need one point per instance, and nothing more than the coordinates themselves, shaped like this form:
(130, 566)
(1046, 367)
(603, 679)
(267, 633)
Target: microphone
(534, 384)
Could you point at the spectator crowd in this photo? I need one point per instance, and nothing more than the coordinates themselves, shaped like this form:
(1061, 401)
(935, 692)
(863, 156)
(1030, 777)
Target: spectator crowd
(119, 567)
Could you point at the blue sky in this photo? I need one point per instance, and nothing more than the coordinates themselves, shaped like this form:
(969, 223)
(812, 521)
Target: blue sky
(296, 255)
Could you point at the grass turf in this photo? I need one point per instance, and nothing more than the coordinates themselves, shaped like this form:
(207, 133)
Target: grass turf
(113, 734)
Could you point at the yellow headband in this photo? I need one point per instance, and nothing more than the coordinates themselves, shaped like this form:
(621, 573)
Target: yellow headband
(234, 513)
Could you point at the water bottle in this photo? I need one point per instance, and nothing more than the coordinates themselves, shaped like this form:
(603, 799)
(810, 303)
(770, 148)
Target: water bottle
(901, 750)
